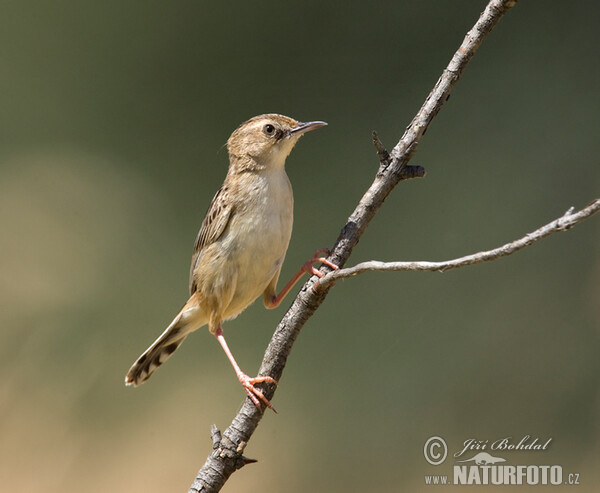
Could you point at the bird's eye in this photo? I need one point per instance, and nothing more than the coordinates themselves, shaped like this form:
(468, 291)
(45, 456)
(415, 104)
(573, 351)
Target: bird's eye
(269, 130)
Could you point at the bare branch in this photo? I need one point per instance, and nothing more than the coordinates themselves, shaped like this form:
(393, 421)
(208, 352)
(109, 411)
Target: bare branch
(227, 457)
(568, 220)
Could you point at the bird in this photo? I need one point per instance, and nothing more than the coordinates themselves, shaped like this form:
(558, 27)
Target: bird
(241, 245)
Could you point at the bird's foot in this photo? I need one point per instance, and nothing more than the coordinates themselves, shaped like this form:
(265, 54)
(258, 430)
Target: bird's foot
(318, 256)
(307, 267)
(255, 394)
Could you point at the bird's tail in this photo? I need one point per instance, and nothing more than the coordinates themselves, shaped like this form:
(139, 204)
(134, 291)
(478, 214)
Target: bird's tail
(187, 320)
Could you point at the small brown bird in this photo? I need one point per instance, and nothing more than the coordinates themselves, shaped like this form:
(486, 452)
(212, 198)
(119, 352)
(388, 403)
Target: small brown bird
(241, 245)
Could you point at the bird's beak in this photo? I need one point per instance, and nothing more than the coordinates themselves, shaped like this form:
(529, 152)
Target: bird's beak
(302, 128)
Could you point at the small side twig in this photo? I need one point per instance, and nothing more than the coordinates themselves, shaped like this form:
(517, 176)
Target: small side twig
(215, 434)
(384, 156)
(566, 221)
(385, 159)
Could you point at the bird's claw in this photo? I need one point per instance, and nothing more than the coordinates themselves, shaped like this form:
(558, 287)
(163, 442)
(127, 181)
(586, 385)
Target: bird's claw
(319, 256)
(255, 394)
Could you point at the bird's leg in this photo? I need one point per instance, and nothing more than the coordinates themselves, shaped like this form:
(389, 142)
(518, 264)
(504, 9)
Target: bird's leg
(307, 268)
(246, 381)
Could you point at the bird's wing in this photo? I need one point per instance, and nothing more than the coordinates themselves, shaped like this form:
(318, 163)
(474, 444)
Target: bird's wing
(216, 220)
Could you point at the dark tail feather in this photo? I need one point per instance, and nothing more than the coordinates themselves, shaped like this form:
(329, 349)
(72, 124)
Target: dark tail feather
(185, 322)
(150, 361)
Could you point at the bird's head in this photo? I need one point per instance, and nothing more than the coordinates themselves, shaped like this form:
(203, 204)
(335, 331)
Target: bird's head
(267, 140)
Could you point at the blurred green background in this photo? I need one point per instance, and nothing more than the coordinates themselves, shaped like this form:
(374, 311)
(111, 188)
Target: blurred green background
(114, 116)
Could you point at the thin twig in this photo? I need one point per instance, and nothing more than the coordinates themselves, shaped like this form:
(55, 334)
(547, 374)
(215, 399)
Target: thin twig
(568, 220)
(227, 458)
(382, 152)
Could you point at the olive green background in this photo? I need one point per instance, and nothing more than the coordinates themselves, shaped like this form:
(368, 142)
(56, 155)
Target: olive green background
(112, 124)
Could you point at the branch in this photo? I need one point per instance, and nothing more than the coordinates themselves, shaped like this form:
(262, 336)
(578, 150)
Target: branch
(563, 223)
(227, 456)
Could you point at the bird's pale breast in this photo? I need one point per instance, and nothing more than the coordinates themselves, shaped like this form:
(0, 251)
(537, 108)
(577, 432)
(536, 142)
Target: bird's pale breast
(263, 227)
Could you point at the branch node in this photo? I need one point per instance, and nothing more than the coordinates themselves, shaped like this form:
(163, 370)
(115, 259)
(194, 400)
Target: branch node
(243, 460)
(215, 434)
(412, 171)
(384, 155)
